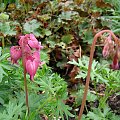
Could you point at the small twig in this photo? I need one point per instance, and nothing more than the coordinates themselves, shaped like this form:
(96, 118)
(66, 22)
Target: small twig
(100, 94)
(101, 45)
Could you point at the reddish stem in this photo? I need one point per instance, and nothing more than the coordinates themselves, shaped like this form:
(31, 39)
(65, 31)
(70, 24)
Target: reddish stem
(25, 81)
(90, 64)
(26, 91)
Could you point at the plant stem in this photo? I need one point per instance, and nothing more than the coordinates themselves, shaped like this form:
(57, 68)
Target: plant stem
(25, 81)
(90, 64)
(26, 91)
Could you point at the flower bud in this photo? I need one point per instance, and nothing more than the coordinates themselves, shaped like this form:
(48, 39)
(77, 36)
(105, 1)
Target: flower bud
(115, 63)
(105, 51)
(108, 48)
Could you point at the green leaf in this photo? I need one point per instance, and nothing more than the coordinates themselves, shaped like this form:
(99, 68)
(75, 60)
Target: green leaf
(4, 56)
(88, 36)
(67, 15)
(51, 40)
(47, 32)
(2, 73)
(7, 29)
(4, 16)
(2, 7)
(0, 51)
(32, 27)
(67, 38)
(93, 116)
(44, 56)
(91, 97)
(1, 101)
(63, 109)
(13, 110)
(73, 62)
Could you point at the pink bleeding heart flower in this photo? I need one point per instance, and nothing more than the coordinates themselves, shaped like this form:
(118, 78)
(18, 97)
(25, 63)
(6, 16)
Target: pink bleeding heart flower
(33, 42)
(36, 55)
(24, 40)
(31, 56)
(27, 49)
(108, 46)
(32, 37)
(15, 53)
(105, 51)
(31, 68)
(115, 63)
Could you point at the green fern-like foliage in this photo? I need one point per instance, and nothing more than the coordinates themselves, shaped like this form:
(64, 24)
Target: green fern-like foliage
(55, 92)
(100, 114)
(12, 111)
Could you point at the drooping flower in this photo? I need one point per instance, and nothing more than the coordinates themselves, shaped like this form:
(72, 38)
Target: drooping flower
(26, 50)
(15, 53)
(36, 56)
(31, 68)
(108, 49)
(24, 40)
(115, 62)
(33, 42)
(29, 49)
(105, 51)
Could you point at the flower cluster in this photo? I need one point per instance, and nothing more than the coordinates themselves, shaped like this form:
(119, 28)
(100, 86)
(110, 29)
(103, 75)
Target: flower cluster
(111, 50)
(29, 50)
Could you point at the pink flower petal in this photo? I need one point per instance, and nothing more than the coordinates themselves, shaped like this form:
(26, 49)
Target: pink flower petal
(36, 55)
(15, 53)
(105, 51)
(31, 68)
(32, 37)
(33, 44)
(115, 63)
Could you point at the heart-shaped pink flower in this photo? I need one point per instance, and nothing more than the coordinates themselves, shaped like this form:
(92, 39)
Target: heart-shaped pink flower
(33, 42)
(29, 49)
(31, 68)
(15, 53)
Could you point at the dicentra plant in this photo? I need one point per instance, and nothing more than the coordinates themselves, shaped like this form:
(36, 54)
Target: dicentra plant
(29, 50)
(110, 49)
(47, 94)
(106, 51)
